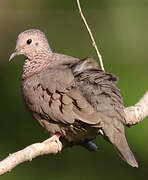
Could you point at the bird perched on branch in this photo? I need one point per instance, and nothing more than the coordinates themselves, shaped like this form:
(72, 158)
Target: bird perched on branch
(70, 98)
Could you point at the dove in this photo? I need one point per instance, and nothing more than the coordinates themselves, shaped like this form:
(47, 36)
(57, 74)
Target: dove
(70, 98)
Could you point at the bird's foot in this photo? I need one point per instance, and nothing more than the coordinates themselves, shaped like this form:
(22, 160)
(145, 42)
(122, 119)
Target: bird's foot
(55, 138)
(90, 146)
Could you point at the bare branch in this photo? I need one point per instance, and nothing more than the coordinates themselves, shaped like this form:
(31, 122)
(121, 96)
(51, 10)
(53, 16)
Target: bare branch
(135, 114)
(27, 154)
(91, 35)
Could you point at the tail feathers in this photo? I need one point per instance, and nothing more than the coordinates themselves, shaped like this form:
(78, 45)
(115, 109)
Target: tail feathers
(127, 156)
(118, 139)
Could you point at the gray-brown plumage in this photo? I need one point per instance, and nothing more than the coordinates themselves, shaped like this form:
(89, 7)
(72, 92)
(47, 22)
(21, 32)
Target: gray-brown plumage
(70, 98)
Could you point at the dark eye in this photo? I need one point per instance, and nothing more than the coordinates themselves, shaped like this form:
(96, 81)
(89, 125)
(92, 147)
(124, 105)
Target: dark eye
(29, 41)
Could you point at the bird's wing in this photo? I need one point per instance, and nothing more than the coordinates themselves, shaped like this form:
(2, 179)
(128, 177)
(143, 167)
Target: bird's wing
(57, 99)
(99, 89)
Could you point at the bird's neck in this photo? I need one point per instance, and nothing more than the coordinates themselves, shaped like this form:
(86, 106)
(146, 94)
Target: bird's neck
(36, 63)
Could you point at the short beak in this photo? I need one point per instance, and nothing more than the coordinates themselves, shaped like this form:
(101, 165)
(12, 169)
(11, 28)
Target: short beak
(13, 55)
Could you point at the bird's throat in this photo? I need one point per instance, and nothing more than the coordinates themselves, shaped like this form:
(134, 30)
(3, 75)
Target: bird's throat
(33, 66)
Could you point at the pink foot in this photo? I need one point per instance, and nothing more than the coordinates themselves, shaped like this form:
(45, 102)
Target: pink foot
(55, 138)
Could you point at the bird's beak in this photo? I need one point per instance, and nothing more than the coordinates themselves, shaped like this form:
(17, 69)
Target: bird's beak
(13, 55)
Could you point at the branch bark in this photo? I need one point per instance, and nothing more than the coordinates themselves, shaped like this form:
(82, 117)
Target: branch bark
(27, 154)
(135, 114)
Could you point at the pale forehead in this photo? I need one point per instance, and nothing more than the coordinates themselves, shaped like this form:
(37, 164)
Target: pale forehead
(32, 33)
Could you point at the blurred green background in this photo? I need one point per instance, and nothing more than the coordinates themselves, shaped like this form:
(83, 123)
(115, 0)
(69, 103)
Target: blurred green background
(121, 32)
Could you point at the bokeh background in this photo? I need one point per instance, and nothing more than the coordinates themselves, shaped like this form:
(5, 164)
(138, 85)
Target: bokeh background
(121, 32)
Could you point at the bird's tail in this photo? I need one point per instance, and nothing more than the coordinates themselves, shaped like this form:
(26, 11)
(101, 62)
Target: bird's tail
(118, 139)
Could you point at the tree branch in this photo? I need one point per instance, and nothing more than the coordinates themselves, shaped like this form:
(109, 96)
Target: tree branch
(135, 114)
(27, 154)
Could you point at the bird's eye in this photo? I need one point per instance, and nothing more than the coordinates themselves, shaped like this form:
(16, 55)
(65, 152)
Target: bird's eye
(29, 41)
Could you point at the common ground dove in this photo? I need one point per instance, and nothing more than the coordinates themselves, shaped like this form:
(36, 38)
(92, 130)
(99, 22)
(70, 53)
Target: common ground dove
(70, 98)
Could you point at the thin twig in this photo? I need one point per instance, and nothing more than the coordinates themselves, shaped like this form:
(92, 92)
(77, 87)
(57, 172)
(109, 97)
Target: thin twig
(91, 35)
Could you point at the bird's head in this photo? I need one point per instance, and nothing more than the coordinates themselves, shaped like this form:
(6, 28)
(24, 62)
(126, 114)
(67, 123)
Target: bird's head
(29, 43)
